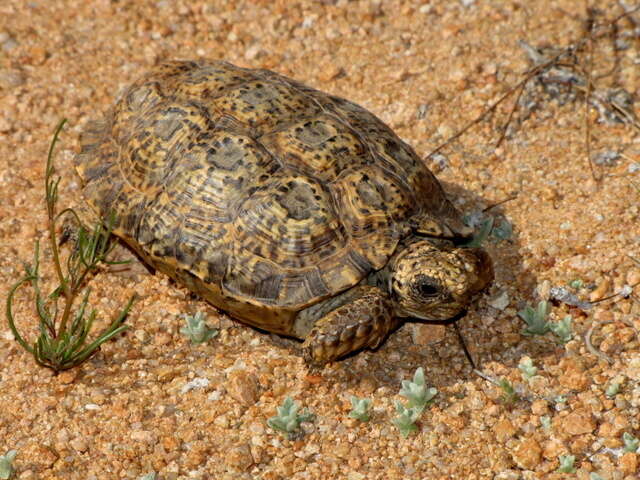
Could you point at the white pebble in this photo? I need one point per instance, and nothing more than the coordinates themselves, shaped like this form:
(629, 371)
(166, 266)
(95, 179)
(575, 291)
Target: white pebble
(195, 383)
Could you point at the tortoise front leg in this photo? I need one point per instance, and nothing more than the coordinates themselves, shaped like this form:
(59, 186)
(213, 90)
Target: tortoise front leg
(359, 318)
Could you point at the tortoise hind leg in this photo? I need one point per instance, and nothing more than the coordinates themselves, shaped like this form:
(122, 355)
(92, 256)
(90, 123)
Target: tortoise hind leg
(131, 261)
(71, 223)
(362, 318)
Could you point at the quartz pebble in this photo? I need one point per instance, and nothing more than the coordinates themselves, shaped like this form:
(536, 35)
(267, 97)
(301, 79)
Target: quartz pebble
(243, 387)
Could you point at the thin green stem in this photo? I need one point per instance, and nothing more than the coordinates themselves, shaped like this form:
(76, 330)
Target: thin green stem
(51, 189)
(61, 342)
(9, 311)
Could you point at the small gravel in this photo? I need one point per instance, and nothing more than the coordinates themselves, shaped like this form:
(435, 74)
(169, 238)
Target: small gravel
(152, 401)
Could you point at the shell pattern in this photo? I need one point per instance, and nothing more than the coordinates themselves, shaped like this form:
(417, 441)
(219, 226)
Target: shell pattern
(259, 193)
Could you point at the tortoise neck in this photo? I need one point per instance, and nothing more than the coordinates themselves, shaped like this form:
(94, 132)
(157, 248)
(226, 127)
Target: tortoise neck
(381, 279)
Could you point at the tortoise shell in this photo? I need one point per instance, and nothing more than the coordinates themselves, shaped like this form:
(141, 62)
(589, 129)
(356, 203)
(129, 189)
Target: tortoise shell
(260, 194)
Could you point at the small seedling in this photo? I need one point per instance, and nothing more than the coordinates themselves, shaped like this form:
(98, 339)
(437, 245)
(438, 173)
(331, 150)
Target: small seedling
(288, 419)
(509, 394)
(566, 464)
(562, 329)
(149, 476)
(482, 234)
(536, 319)
(612, 390)
(196, 329)
(503, 231)
(631, 443)
(576, 284)
(62, 343)
(6, 467)
(360, 408)
(545, 421)
(560, 399)
(485, 227)
(419, 396)
(416, 391)
(527, 369)
(406, 419)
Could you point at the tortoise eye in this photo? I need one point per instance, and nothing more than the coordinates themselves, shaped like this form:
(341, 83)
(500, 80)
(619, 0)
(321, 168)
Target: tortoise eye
(427, 287)
(428, 290)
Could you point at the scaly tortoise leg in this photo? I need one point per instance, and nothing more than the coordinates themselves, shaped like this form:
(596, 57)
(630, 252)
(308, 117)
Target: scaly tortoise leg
(363, 320)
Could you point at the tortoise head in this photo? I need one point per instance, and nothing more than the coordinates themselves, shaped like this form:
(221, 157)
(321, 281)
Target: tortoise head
(436, 282)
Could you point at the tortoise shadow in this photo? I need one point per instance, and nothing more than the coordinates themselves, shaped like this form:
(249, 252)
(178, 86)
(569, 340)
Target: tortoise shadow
(492, 332)
(488, 331)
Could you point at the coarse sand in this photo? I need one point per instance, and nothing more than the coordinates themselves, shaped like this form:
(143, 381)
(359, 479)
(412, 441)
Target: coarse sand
(150, 401)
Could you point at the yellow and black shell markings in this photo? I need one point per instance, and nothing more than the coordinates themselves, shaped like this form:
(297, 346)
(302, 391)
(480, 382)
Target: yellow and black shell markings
(260, 193)
(320, 147)
(290, 246)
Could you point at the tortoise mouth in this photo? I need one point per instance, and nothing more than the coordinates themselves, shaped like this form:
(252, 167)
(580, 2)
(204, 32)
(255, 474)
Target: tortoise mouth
(434, 321)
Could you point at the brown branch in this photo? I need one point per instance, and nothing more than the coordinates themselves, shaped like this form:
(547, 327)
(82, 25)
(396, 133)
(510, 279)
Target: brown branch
(530, 74)
(625, 113)
(516, 103)
(587, 123)
(613, 295)
(494, 205)
(592, 349)
(588, 39)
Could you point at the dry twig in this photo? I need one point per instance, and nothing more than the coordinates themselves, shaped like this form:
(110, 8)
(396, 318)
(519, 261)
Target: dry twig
(594, 350)
(589, 38)
(593, 32)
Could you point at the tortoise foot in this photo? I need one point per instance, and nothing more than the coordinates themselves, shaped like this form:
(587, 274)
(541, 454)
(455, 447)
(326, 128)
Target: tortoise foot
(364, 322)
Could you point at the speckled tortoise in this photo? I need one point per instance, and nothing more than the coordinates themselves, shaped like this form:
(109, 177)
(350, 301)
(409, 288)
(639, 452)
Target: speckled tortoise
(293, 210)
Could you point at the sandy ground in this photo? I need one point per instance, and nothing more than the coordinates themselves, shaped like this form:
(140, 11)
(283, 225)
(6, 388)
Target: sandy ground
(150, 401)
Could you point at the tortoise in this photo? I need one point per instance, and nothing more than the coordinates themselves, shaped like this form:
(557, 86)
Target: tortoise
(292, 210)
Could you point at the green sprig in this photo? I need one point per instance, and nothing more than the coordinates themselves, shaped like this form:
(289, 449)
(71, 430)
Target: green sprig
(536, 319)
(406, 419)
(360, 408)
(566, 464)
(196, 329)
(612, 390)
(545, 421)
(288, 419)
(631, 443)
(62, 343)
(509, 394)
(562, 329)
(527, 368)
(6, 461)
(416, 391)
